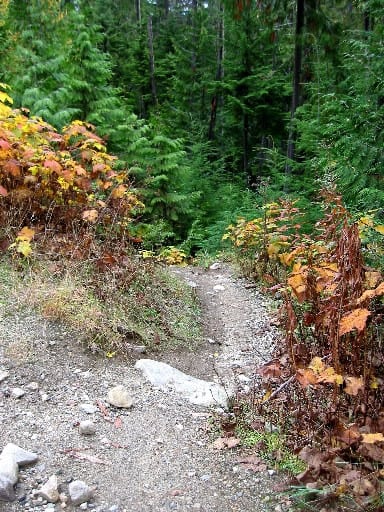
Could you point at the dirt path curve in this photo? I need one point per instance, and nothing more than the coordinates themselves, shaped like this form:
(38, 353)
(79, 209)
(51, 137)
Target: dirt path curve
(156, 457)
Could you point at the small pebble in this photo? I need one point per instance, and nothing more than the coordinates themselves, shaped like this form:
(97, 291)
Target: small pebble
(87, 428)
(17, 392)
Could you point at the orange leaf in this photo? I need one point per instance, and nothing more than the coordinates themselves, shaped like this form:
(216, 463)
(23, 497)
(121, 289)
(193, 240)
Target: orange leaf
(356, 319)
(13, 167)
(373, 438)
(90, 215)
(26, 234)
(353, 385)
(306, 377)
(119, 192)
(53, 165)
(3, 191)
(372, 279)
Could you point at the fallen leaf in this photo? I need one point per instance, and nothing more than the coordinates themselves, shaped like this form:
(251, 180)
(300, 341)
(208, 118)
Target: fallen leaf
(225, 442)
(348, 435)
(371, 451)
(3, 191)
(253, 463)
(363, 487)
(271, 369)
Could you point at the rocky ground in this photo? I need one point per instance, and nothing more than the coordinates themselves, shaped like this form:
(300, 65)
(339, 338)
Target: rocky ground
(155, 455)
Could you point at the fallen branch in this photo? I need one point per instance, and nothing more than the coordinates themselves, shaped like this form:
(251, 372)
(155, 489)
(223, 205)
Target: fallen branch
(277, 391)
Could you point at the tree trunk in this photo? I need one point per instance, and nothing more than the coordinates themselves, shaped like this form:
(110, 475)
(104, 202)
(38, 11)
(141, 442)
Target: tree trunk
(219, 74)
(152, 61)
(296, 74)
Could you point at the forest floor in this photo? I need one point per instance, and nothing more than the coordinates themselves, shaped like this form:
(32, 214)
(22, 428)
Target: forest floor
(158, 455)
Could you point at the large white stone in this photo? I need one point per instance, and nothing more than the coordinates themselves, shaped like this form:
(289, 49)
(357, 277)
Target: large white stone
(19, 455)
(7, 490)
(197, 391)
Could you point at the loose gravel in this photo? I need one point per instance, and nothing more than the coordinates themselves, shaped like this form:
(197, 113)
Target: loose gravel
(156, 456)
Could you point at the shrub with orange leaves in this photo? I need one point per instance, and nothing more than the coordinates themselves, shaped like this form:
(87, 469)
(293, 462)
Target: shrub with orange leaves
(58, 183)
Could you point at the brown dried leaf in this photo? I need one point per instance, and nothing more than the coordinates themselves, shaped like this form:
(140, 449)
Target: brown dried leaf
(348, 435)
(371, 451)
(363, 487)
(225, 442)
(271, 369)
(253, 463)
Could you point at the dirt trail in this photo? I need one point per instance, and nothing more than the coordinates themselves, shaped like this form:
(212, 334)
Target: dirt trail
(157, 456)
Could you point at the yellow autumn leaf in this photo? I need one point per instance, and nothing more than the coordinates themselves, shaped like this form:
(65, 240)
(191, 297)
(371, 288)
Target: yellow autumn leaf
(377, 437)
(379, 229)
(374, 384)
(24, 248)
(317, 365)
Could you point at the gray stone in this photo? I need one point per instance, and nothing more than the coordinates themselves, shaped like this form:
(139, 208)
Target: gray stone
(34, 386)
(3, 375)
(88, 408)
(219, 288)
(49, 491)
(19, 455)
(7, 491)
(79, 492)
(215, 266)
(87, 428)
(196, 391)
(120, 397)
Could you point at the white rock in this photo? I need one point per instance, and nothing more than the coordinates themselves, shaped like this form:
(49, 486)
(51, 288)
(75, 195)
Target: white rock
(215, 266)
(120, 397)
(19, 455)
(7, 491)
(3, 375)
(87, 428)
(9, 468)
(88, 408)
(17, 392)
(79, 492)
(219, 288)
(196, 391)
(49, 491)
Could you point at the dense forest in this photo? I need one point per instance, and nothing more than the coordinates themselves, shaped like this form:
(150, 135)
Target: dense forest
(181, 127)
(213, 107)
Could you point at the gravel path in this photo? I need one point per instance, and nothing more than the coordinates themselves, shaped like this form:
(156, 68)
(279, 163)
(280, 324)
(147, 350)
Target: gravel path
(156, 456)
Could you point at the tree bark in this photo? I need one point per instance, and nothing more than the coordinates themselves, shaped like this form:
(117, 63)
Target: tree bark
(152, 60)
(296, 74)
(219, 74)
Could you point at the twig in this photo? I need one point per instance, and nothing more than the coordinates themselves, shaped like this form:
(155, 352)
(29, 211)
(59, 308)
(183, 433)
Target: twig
(283, 385)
